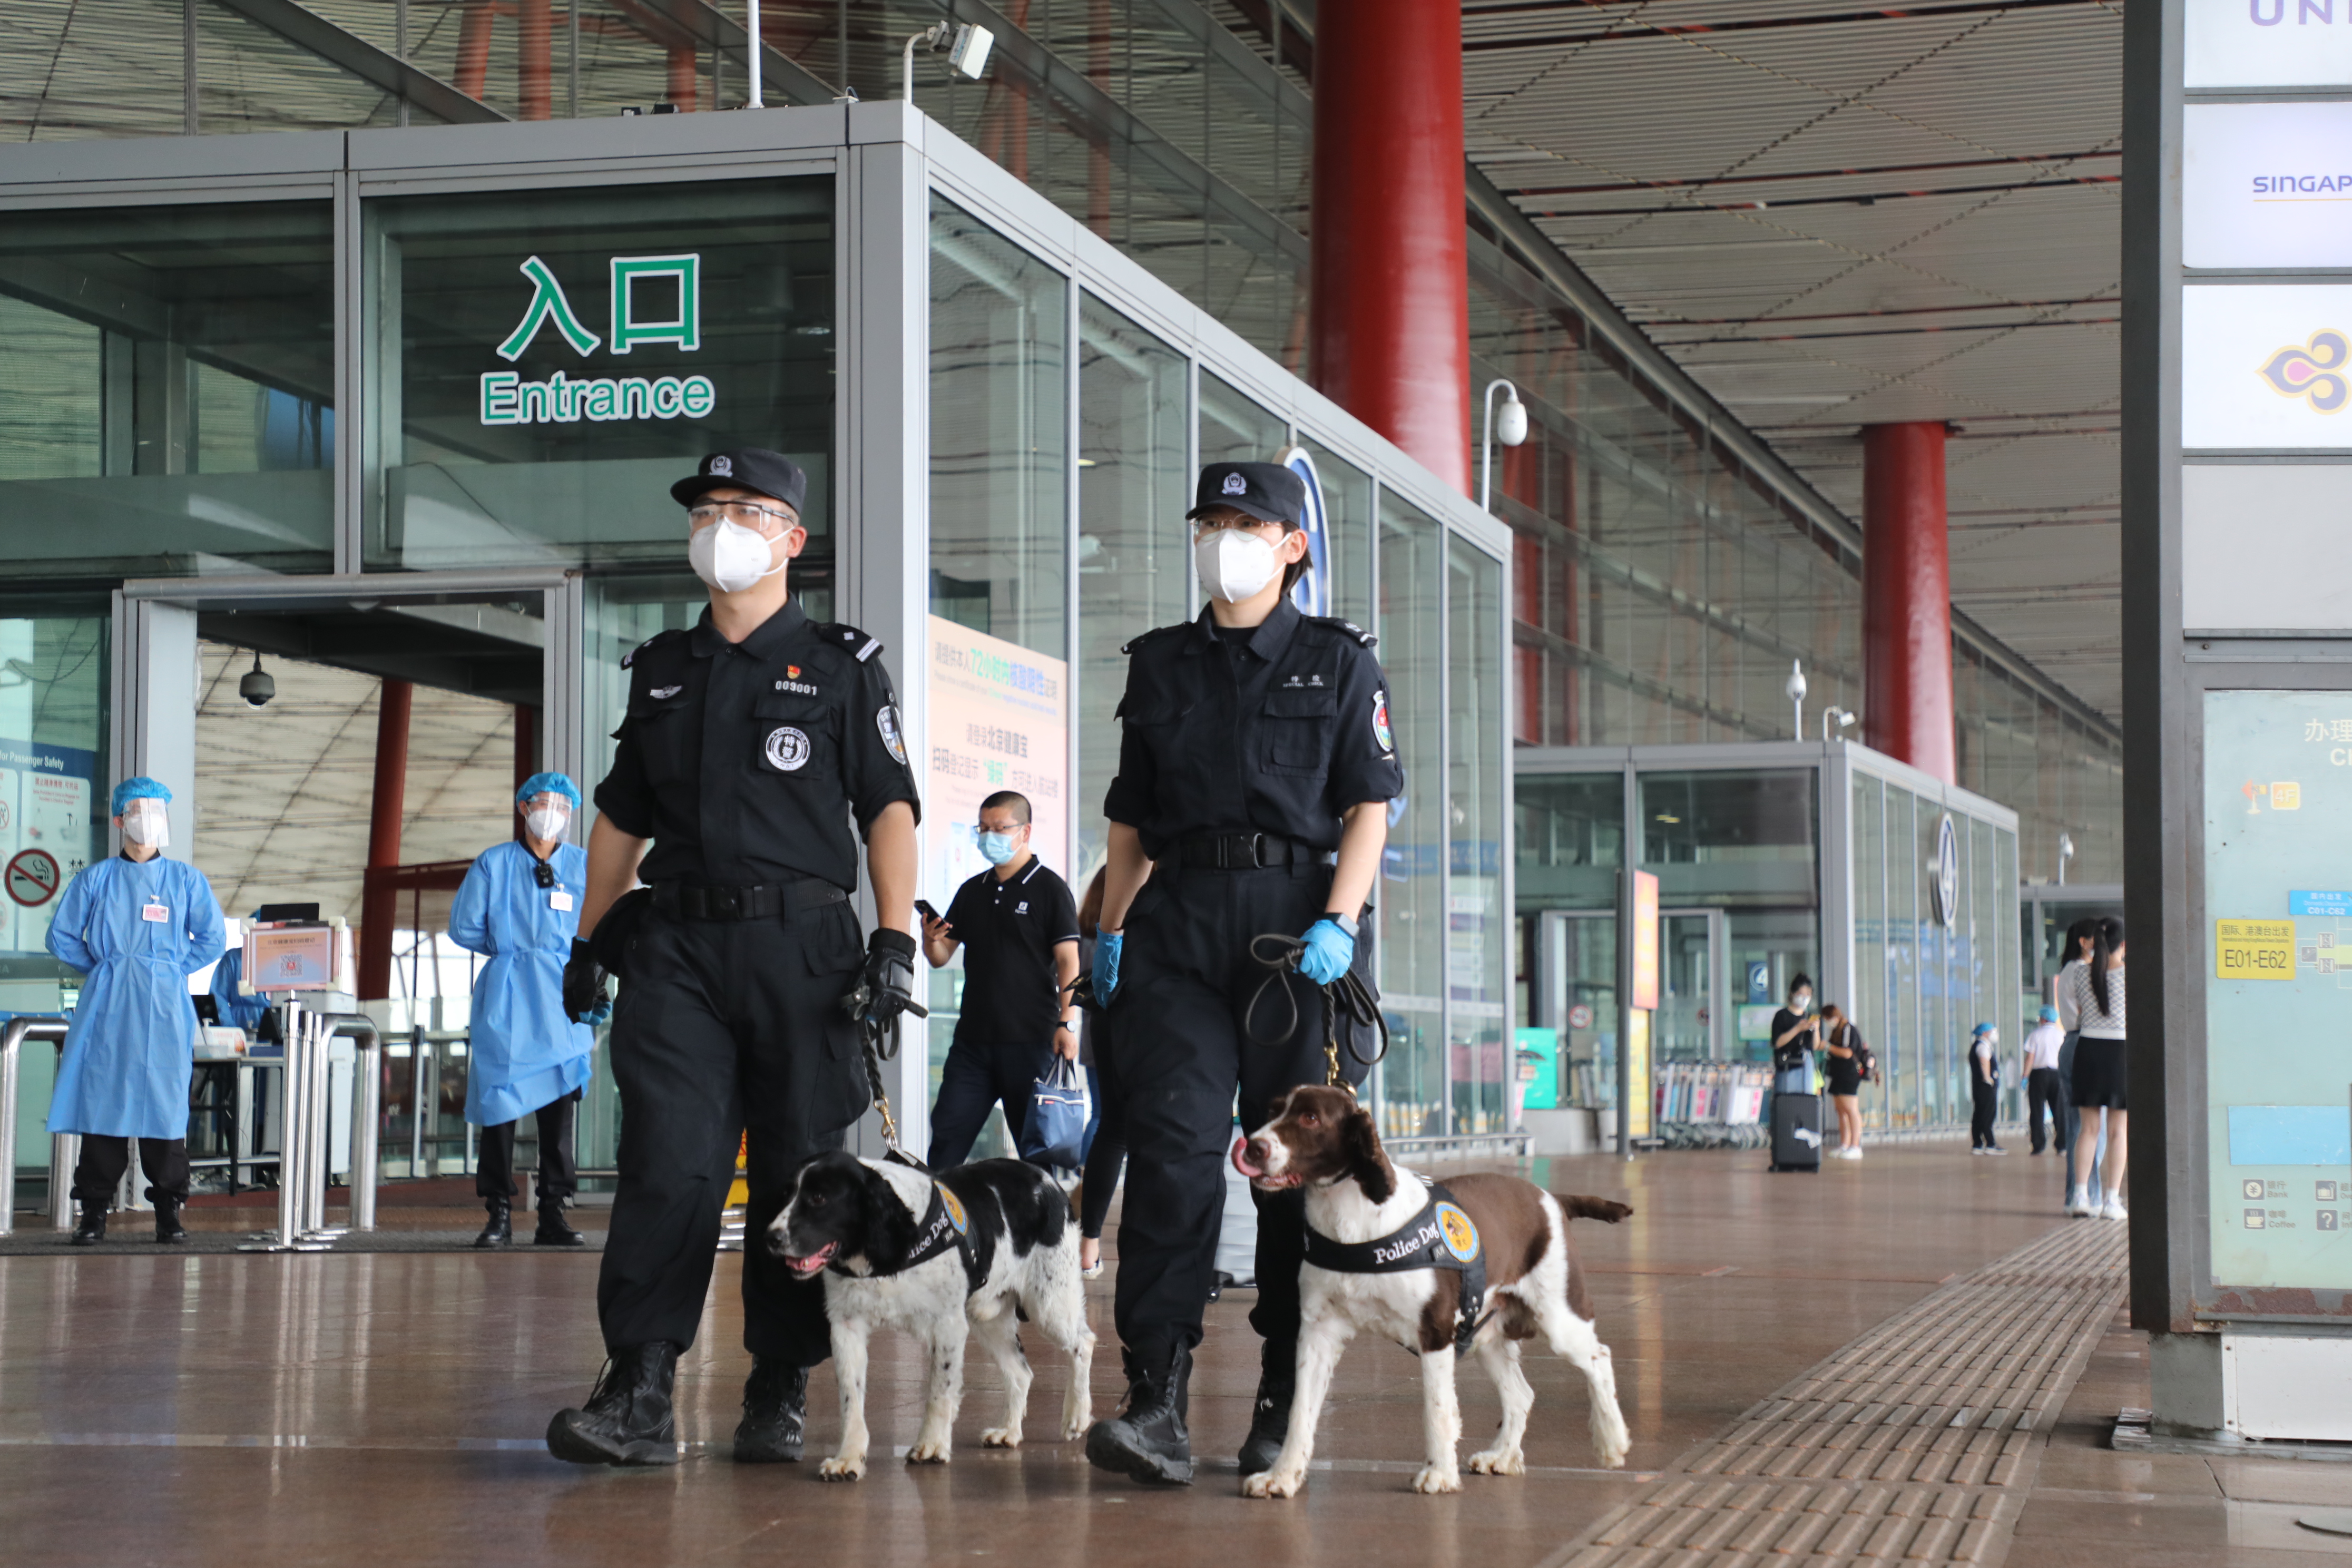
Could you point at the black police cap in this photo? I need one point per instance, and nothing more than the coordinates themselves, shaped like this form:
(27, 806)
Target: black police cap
(771, 474)
(1267, 491)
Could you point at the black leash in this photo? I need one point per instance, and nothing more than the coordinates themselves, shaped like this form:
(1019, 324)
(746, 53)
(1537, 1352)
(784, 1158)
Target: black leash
(880, 1044)
(1278, 955)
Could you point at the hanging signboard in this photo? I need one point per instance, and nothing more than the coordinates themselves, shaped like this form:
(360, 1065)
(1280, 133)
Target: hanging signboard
(999, 718)
(1645, 942)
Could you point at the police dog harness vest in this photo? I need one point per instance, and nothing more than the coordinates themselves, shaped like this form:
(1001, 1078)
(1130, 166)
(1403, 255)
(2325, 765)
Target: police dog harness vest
(1440, 1236)
(945, 1226)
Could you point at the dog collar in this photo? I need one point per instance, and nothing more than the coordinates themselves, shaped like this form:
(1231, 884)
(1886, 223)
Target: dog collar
(1441, 1235)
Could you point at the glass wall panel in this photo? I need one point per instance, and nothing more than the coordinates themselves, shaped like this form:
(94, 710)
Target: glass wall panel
(1939, 1071)
(1133, 492)
(1746, 843)
(1906, 1073)
(1868, 1007)
(2016, 1016)
(1412, 912)
(1234, 429)
(167, 389)
(999, 473)
(1568, 843)
(1477, 927)
(1348, 507)
(546, 362)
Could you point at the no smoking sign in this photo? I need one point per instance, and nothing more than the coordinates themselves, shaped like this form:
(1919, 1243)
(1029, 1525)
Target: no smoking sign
(33, 877)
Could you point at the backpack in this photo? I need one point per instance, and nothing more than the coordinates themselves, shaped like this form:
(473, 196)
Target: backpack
(1864, 1058)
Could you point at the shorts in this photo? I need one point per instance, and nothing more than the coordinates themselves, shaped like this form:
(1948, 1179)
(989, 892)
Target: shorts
(2100, 1068)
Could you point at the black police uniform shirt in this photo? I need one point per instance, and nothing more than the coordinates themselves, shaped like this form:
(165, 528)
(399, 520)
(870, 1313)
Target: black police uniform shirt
(1280, 731)
(1008, 927)
(737, 759)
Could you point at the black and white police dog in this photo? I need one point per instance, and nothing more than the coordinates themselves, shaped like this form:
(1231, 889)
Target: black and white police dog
(939, 1256)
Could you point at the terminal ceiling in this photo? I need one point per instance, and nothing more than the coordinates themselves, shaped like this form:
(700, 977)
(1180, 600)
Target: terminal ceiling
(1833, 215)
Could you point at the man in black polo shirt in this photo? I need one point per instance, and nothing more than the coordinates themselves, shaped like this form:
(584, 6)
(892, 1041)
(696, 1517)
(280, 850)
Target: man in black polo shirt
(1021, 925)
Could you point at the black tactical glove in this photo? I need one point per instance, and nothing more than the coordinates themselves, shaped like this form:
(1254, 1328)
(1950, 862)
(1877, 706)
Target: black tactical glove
(888, 979)
(585, 998)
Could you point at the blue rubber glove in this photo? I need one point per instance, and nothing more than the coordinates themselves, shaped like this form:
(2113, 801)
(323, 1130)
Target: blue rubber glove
(598, 1015)
(1330, 951)
(1107, 946)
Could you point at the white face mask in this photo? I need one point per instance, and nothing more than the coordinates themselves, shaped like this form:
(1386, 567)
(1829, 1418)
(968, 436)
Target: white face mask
(148, 829)
(729, 557)
(546, 821)
(1234, 563)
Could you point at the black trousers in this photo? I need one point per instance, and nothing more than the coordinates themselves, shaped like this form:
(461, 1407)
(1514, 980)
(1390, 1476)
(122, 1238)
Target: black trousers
(1180, 1047)
(2044, 1091)
(103, 1159)
(1106, 1156)
(974, 1079)
(1987, 1097)
(559, 1172)
(725, 1030)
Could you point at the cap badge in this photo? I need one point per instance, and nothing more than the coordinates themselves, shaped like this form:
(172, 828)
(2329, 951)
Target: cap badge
(1235, 485)
(722, 467)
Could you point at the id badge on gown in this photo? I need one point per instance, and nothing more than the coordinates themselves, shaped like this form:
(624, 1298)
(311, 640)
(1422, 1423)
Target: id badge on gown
(155, 913)
(560, 900)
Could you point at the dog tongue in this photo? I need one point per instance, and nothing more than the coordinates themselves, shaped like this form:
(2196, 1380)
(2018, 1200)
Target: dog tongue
(1241, 1159)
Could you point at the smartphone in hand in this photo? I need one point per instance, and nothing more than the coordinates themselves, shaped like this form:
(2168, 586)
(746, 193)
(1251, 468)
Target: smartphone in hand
(923, 908)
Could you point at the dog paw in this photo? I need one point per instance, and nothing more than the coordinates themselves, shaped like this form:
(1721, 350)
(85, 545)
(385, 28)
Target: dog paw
(1612, 1457)
(930, 1452)
(999, 1437)
(1497, 1462)
(1433, 1479)
(1275, 1483)
(841, 1470)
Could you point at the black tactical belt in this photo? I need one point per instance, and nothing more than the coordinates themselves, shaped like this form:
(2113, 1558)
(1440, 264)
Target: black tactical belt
(1440, 1236)
(1246, 852)
(759, 902)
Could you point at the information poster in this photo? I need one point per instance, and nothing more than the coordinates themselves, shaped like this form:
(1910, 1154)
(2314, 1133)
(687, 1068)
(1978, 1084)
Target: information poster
(2278, 951)
(1000, 719)
(1637, 1061)
(44, 835)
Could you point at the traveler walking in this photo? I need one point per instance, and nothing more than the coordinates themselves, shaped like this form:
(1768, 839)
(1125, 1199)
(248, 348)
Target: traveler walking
(2041, 1088)
(2102, 1061)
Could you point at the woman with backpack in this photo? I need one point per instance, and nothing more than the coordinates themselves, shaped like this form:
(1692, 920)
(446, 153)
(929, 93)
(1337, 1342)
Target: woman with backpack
(1849, 1066)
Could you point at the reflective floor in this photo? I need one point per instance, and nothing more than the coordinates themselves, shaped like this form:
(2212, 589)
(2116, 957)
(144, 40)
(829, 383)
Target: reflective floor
(387, 1407)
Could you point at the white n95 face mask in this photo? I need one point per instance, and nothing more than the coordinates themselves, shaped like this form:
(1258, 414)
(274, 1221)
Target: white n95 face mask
(546, 821)
(1234, 563)
(730, 557)
(148, 829)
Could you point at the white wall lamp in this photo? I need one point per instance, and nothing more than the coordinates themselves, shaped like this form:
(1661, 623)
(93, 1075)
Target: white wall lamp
(967, 46)
(1841, 717)
(2065, 853)
(1511, 430)
(1796, 691)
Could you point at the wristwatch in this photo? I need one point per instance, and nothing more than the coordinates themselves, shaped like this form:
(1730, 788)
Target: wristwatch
(1345, 923)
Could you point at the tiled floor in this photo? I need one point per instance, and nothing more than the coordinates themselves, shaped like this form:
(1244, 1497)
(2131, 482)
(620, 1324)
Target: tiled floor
(261, 1410)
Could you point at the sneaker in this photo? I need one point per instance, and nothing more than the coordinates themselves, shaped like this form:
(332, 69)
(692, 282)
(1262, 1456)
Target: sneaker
(1995, 1149)
(2114, 1208)
(1974, 1150)
(2079, 1204)
(1855, 1152)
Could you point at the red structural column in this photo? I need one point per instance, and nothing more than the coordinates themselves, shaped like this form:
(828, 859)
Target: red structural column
(380, 899)
(535, 58)
(1389, 278)
(1906, 584)
(474, 50)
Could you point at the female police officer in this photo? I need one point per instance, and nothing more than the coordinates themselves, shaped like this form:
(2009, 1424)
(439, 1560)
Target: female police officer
(1256, 743)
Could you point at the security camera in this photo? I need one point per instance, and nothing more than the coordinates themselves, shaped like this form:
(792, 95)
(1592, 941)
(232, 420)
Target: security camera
(257, 687)
(1511, 419)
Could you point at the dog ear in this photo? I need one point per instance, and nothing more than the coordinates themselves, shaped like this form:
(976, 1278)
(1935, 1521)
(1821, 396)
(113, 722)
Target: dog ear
(1360, 1142)
(890, 1224)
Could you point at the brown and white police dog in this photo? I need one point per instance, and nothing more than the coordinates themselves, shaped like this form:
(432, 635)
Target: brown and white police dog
(1321, 1140)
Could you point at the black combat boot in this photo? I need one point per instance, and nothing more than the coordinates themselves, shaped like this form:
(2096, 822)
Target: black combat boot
(627, 1420)
(92, 1229)
(168, 1228)
(553, 1231)
(775, 1414)
(1269, 1416)
(500, 1231)
(1146, 1440)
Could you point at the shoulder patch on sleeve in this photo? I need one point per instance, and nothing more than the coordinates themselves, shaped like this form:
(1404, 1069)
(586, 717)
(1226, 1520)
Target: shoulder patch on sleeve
(630, 657)
(1350, 627)
(856, 644)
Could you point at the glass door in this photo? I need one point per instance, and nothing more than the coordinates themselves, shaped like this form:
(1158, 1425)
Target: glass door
(1690, 1021)
(1576, 998)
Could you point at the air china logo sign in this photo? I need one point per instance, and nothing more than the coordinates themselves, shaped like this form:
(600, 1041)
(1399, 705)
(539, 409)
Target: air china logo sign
(2263, 367)
(2268, 43)
(508, 399)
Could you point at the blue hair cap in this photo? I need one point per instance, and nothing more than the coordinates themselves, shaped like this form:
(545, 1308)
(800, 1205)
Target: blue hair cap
(1983, 1029)
(139, 788)
(2049, 1014)
(549, 783)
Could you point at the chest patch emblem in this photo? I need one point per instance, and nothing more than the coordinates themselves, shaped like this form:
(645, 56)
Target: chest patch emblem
(955, 1216)
(788, 749)
(663, 693)
(801, 687)
(886, 720)
(1461, 1237)
(1381, 731)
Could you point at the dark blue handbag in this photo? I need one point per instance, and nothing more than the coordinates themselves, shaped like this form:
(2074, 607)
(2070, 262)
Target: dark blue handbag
(1055, 1132)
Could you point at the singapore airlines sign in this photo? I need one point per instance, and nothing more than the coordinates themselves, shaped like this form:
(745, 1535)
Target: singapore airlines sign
(508, 399)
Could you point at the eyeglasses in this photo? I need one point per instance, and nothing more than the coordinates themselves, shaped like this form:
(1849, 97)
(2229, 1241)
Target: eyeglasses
(1209, 525)
(743, 514)
(542, 873)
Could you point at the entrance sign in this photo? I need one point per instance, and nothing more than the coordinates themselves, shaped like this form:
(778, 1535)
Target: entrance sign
(508, 399)
(999, 718)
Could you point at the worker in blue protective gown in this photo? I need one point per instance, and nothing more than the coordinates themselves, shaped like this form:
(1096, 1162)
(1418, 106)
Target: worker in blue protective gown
(519, 906)
(239, 1008)
(138, 925)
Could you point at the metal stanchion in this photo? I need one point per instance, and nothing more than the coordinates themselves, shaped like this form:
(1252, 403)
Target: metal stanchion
(65, 1153)
(294, 1153)
(367, 1112)
(321, 1159)
(12, 1043)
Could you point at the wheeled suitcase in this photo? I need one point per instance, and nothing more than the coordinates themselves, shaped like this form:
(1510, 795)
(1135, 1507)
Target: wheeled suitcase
(1796, 1133)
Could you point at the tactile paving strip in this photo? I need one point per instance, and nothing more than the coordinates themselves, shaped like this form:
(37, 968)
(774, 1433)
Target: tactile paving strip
(1915, 1444)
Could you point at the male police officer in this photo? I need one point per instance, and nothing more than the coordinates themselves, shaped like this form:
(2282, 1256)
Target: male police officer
(1256, 746)
(750, 742)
